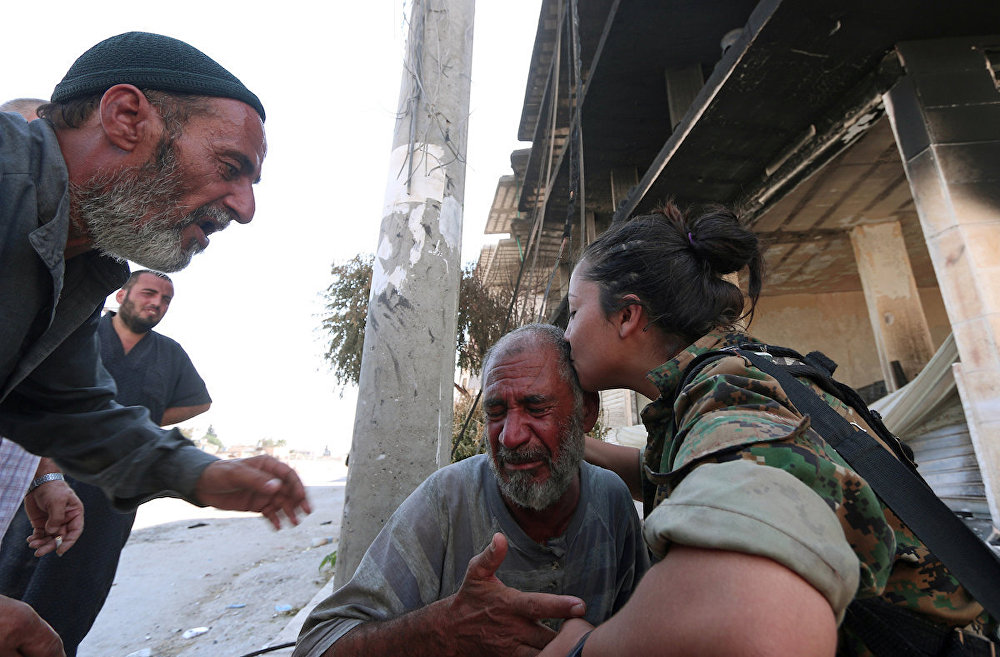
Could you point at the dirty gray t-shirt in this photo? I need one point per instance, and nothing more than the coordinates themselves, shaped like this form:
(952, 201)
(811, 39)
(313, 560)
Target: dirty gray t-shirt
(422, 553)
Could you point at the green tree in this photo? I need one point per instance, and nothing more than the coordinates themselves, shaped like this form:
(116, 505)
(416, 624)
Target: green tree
(462, 447)
(344, 319)
(481, 315)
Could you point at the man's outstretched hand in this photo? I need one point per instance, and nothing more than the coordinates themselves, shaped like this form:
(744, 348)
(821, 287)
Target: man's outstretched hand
(484, 617)
(501, 620)
(260, 483)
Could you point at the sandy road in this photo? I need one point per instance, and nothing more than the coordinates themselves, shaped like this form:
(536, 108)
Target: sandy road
(186, 568)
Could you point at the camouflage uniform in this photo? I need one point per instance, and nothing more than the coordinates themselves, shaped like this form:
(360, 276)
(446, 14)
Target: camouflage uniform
(809, 511)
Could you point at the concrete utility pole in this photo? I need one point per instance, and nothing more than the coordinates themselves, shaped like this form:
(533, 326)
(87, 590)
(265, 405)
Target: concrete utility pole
(402, 427)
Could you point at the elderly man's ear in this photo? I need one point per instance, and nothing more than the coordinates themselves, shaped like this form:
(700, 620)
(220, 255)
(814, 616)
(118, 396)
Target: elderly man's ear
(128, 119)
(591, 408)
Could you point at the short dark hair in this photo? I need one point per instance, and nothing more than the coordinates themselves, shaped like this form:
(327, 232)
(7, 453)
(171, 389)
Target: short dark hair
(175, 109)
(533, 335)
(134, 277)
(673, 261)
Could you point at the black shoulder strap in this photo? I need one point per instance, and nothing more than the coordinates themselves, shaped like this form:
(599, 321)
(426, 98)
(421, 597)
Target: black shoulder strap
(818, 368)
(966, 556)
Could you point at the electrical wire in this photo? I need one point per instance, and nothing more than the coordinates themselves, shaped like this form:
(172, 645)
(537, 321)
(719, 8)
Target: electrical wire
(576, 181)
(575, 153)
(262, 651)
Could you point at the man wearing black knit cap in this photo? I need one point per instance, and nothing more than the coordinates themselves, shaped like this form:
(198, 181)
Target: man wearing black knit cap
(147, 149)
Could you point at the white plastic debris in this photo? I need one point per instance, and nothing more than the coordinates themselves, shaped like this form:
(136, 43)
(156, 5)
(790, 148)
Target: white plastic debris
(145, 652)
(194, 631)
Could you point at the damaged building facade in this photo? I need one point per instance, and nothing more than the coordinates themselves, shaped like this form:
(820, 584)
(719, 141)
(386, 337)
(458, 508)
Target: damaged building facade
(862, 140)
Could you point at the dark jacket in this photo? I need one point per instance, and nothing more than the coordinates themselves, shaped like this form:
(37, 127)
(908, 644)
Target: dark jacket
(56, 399)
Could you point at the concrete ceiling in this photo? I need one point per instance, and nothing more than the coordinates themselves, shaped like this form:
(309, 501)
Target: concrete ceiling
(807, 231)
(789, 123)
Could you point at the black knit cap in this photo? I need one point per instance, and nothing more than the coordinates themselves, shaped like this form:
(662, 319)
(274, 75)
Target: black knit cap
(151, 61)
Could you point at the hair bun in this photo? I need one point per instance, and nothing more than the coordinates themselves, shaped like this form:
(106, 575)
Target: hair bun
(719, 237)
(673, 261)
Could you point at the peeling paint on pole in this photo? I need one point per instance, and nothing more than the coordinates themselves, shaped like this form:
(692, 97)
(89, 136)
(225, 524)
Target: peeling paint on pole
(410, 204)
(402, 426)
(428, 182)
(451, 222)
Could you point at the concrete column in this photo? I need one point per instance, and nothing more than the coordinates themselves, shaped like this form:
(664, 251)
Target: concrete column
(894, 308)
(402, 427)
(945, 114)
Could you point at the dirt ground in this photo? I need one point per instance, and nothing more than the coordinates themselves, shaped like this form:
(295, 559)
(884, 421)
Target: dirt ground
(186, 568)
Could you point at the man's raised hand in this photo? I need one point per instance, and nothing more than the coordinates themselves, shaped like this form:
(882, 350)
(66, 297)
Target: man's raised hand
(501, 620)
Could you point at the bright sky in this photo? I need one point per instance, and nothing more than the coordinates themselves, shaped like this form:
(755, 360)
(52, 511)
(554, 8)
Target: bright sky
(247, 310)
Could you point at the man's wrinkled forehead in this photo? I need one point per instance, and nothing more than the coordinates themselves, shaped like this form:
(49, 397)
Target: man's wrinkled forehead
(516, 361)
(530, 375)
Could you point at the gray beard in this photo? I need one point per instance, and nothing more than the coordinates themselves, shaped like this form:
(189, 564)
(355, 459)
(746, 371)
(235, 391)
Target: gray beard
(110, 207)
(521, 489)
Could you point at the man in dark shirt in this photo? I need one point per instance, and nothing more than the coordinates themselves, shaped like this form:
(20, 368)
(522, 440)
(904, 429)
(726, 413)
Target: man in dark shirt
(152, 371)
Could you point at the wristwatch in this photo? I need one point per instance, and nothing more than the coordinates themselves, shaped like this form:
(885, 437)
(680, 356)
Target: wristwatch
(52, 476)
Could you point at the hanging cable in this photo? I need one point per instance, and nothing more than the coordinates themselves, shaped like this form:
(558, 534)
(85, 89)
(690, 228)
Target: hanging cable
(555, 77)
(264, 651)
(534, 239)
(578, 120)
(573, 181)
(576, 183)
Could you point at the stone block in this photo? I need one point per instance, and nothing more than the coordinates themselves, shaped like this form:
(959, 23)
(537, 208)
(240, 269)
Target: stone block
(964, 123)
(907, 119)
(989, 283)
(976, 202)
(956, 87)
(993, 325)
(933, 205)
(983, 240)
(974, 162)
(980, 393)
(956, 276)
(940, 55)
(976, 346)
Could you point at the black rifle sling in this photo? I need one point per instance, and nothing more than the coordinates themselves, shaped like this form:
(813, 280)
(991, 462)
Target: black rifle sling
(945, 535)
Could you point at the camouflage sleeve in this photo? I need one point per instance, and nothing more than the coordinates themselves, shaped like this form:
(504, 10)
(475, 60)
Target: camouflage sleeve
(743, 507)
(730, 404)
(731, 411)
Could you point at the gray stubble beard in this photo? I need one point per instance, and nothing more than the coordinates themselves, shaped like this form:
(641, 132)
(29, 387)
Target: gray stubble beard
(109, 206)
(521, 489)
